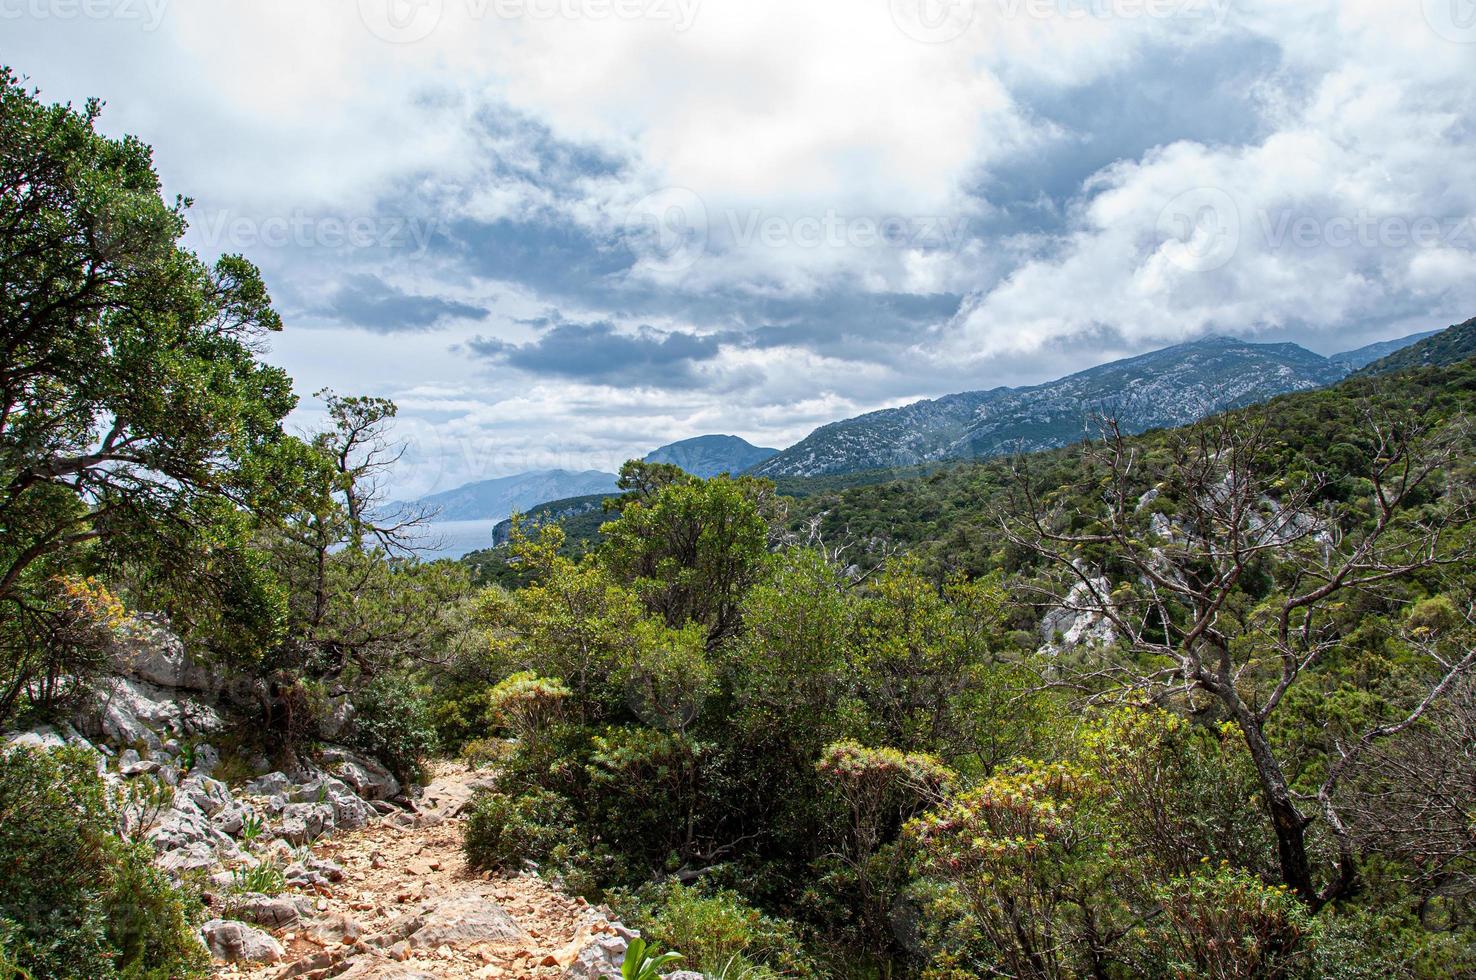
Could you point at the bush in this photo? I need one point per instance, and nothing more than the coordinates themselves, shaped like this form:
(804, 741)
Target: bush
(75, 899)
(717, 933)
(394, 724)
(503, 831)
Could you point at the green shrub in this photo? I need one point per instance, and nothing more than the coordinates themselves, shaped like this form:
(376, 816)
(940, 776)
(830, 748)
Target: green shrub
(717, 932)
(503, 831)
(393, 723)
(77, 901)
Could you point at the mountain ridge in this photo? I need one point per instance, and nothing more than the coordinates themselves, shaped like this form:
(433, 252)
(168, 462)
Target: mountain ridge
(1166, 387)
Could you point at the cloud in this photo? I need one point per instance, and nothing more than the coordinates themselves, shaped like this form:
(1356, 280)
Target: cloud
(599, 353)
(1066, 152)
(364, 300)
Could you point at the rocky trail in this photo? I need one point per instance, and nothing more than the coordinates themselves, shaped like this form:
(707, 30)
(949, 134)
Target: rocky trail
(398, 901)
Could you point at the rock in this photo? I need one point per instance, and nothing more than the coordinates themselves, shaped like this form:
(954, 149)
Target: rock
(376, 968)
(314, 871)
(339, 718)
(194, 856)
(349, 811)
(464, 921)
(47, 737)
(303, 823)
(209, 795)
(237, 942)
(134, 712)
(272, 784)
(600, 959)
(143, 767)
(335, 929)
(272, 911)
(149, 651)
(207, 757)
(231, 818)
(683, 975)
(369, 779)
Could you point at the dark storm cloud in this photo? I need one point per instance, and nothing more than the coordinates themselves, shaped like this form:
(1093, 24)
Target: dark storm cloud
(600, 354)
(1205, 93)
(366, 301)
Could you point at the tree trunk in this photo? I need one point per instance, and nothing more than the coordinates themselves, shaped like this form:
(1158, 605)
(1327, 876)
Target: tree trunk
(1288, 823)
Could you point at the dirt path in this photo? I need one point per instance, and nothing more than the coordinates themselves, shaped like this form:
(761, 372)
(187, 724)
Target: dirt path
(407, 906)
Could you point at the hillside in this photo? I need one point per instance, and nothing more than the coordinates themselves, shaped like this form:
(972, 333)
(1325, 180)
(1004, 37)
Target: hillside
(707, 456)
(945, 516)
(1448, 346)
(1168, 387)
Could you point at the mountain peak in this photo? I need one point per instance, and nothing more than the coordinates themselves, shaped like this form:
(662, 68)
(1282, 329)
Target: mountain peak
(709, 455)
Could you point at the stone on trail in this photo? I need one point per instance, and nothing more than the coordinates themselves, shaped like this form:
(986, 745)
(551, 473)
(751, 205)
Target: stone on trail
(237, 942)
(463, 921)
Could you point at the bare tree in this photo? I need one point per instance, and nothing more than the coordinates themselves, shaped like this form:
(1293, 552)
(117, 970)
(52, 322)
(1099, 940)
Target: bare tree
(1233, 596)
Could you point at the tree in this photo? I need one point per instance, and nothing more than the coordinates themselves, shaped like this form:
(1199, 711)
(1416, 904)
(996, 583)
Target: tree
(1236, 598)
(690, 548)
(359, 603)
(133, 407)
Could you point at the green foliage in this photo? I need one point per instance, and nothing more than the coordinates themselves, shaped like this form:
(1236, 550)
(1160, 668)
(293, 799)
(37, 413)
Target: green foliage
(136, 416)
(393, 723)
(503, 831)
(262, 879)
(1221, 922)
(689, 548)
(643, 963)
(95, 907)
(717, 932)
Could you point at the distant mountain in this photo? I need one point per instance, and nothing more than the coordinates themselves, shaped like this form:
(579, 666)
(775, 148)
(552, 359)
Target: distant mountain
(493, 500)
(1364, 356)
(707, 456)
(581, 518)
(1450, 346)
(1168, 387)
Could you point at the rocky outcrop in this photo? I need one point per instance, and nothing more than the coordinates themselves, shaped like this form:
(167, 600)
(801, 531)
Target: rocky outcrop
(151, 726)
(236, 942)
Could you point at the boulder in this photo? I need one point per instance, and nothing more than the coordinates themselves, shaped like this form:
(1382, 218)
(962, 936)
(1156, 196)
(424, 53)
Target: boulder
(236, 942)
(47, 737)
(209, 795)
(132, 712)
(349, 811)
(195, 856)
(369, 779)
(602, 958)
(465, 921)
(272, 911)
(207, 757)
(313, 871)
(149, 651)
(303, 823)
(272, 784)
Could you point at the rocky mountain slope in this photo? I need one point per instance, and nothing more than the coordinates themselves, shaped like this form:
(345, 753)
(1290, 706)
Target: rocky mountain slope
(707, 456)
(1449, 346)
(1168, 387)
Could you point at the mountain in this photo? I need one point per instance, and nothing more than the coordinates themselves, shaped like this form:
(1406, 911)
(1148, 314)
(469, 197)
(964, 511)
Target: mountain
(1166, 387)
(496, 499)
(707, 456)
(1450, 346)
(1364, 356)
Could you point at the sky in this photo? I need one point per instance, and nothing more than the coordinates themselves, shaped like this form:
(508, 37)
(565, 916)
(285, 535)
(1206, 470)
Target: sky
(560, 233)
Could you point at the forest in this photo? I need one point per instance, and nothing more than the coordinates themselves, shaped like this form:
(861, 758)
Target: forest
(1198, 702)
